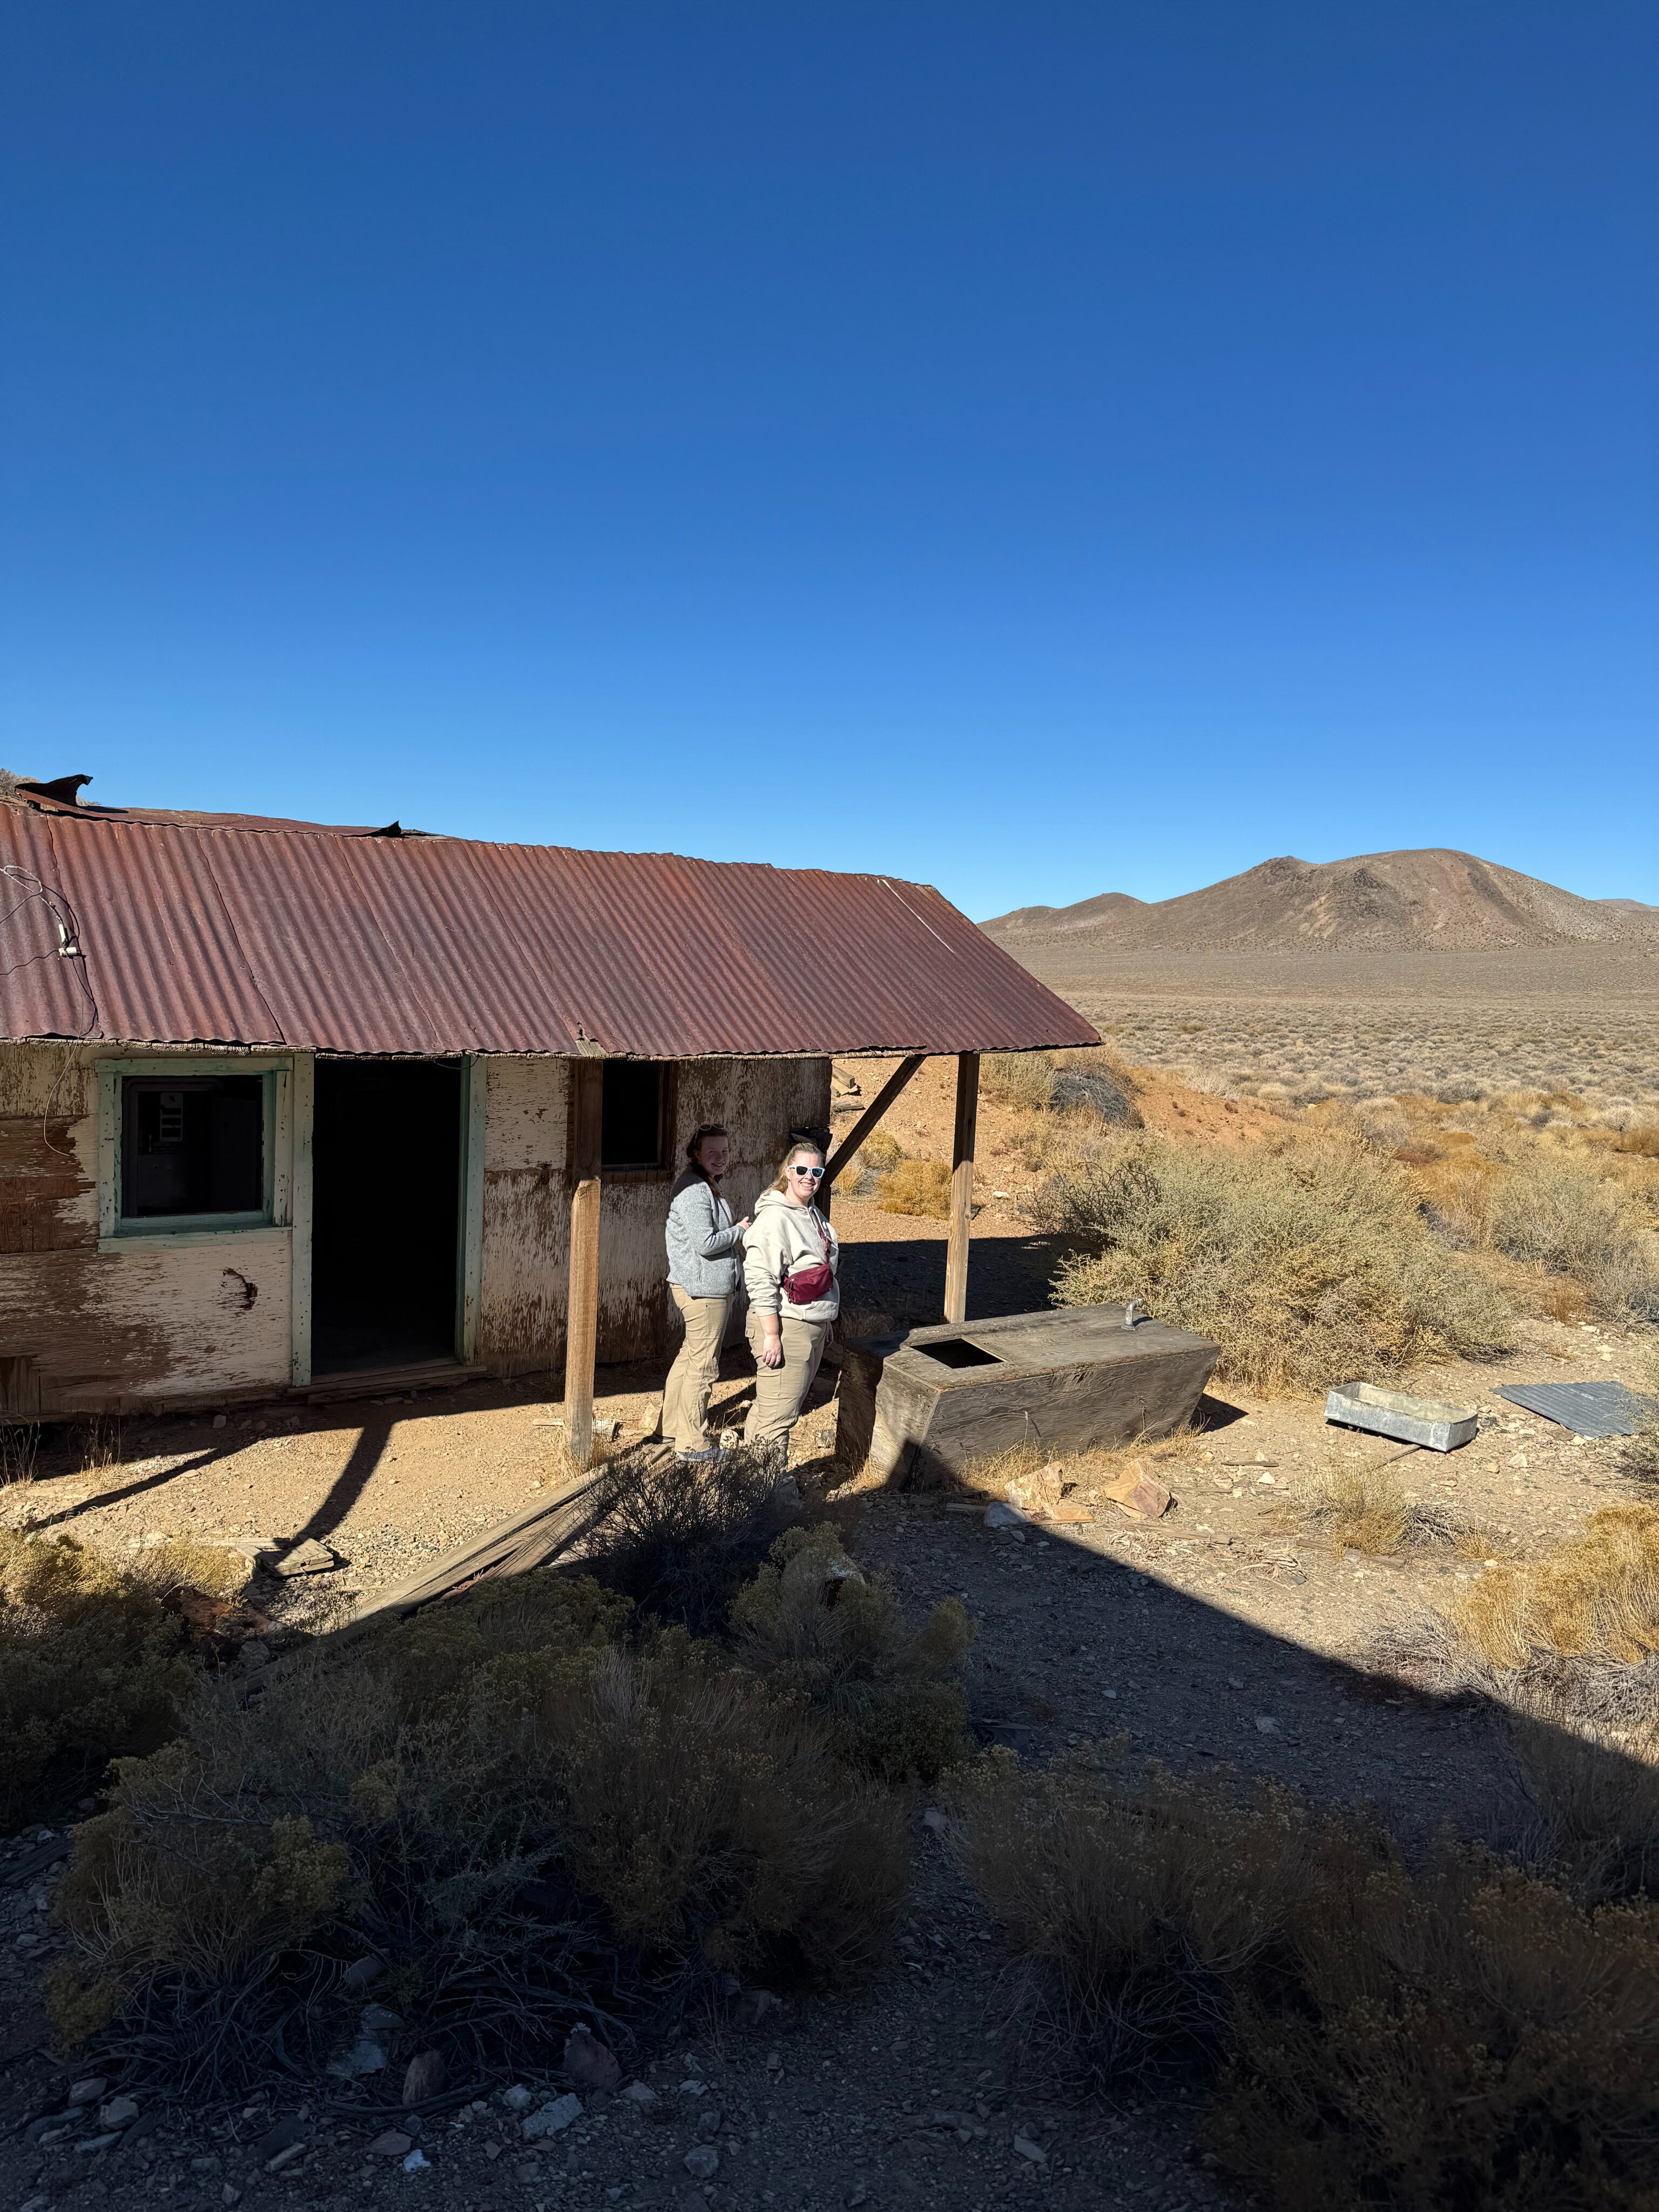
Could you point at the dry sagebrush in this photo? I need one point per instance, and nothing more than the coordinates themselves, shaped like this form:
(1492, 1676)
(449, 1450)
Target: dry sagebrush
(532, 1819)
(91, 1664)
(1307, 1260)
(680, 1545)
(819, 1629)
(1466, 2035)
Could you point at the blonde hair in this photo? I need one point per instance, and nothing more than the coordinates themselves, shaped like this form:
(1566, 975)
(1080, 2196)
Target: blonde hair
(801, 1144)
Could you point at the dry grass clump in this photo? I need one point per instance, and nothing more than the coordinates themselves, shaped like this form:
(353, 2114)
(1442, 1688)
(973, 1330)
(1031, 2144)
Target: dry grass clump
(1000, 1473)
(820, 1631)
(529, 1820)
(1642, 1452)
(1571, 1638)
(1306, 1258)
(19, 1453)
(100, 1445)
(1364, 1508)
(1595, 1598)
(185, 1563)
(878, 1155)
(90, 1666)
(1594, 1819)
(1465, 2036)
(921, 1186)
(880, 1151)
(1090, 1084)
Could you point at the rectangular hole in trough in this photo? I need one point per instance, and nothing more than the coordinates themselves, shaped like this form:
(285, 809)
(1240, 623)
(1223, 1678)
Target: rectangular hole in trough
(956, 1352)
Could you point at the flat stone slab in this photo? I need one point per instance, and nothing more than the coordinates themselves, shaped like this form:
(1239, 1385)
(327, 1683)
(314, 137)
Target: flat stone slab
(1426, 1421)
(920, 1407)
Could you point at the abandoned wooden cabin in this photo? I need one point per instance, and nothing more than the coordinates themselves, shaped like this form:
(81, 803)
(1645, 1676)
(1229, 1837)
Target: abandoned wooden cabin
(282, 1103)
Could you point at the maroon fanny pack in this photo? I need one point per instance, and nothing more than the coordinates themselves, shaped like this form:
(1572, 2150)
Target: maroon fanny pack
(808, 1285)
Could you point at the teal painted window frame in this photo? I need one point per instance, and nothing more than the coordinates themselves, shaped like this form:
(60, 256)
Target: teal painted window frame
(118, 1231)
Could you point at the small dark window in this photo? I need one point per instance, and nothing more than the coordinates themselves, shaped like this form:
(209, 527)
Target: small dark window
(192, 1146)
(632, 1127)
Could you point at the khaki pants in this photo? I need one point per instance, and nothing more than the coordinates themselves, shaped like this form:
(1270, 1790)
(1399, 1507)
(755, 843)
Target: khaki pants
(685, 1395)
(780, 1392)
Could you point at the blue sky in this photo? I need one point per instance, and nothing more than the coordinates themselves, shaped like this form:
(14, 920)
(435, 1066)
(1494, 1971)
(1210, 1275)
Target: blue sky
(1040, 449)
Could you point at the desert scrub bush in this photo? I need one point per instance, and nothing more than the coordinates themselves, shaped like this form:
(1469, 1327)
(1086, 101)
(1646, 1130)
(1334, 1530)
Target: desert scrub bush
(1306, 1258)
(1594, 1820)
(679, 1544)
(1557, 1213)
(1465, 2036)
(91, 1666)
(1025, 1080)
(819, 1629)
(533, 1821)
(1135, 1902)
(879, 1153)
(915, 1187)
(1468, 2037)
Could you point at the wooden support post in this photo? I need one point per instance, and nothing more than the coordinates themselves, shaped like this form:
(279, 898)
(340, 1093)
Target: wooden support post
(962, 1187)
(582, 1332)
(860, 1129)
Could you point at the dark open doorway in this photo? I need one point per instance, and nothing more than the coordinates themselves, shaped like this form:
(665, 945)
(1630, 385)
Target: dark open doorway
(386, 1204)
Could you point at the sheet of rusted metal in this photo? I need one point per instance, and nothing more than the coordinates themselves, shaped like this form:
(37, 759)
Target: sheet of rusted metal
(338, 941)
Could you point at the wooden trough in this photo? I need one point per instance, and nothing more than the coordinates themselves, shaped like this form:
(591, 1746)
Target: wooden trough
(920, 1407)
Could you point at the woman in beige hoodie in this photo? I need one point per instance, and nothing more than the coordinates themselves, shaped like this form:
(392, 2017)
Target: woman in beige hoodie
(790, 1258)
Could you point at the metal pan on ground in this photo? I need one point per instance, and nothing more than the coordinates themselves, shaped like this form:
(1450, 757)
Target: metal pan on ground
(1425, 1421)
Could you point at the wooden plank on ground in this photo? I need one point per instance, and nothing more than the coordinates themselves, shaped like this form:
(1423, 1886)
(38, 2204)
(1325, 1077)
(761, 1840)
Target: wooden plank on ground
(512, 1546)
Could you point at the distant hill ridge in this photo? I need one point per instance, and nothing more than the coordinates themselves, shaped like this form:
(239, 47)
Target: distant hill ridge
(1380, 902)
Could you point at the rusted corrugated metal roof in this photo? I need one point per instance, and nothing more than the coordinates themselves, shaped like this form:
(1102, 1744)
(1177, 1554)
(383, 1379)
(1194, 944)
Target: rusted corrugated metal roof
(343, 941)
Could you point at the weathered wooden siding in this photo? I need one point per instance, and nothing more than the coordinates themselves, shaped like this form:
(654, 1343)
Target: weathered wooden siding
(527, 1200)
(105, 1331)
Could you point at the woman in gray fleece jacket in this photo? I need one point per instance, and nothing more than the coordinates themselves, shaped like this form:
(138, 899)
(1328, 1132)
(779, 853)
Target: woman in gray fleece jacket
(704, 1270)
(790, 1261)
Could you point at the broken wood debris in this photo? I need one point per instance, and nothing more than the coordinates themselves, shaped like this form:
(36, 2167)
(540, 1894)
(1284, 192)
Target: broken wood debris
(515, 1546)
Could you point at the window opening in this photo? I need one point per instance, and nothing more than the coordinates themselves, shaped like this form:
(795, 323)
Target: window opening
(192, 1146)
(632, 1132)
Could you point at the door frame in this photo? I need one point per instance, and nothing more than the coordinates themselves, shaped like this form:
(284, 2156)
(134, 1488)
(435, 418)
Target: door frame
(469, 1222)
